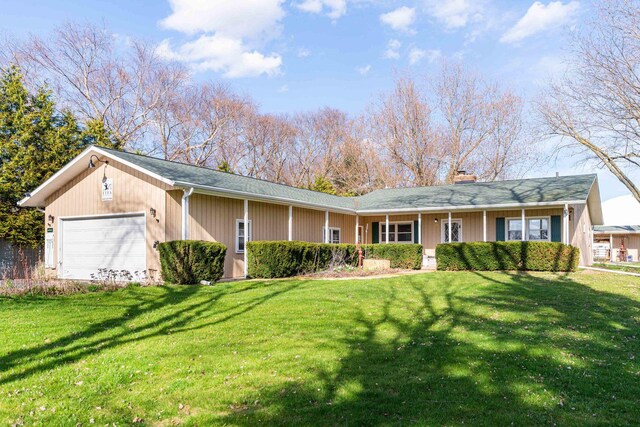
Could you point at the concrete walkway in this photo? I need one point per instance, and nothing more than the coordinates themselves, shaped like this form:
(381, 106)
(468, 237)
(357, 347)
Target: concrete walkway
(606, 270)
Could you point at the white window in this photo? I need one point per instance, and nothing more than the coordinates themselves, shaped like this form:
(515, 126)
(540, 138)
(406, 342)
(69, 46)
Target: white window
(240, 236)
(334, 235)
(514, 229)
(456, 230)
(399, 232)
(535, 229)
(538, 229)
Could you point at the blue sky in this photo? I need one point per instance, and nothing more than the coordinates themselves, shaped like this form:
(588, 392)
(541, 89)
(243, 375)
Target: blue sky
(298, 55)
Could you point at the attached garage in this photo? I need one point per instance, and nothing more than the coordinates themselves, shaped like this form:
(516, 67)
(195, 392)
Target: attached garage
(113, 242)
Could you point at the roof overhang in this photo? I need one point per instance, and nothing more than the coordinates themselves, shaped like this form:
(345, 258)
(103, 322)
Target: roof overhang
(234, 194)
(594, 203)
(469, 208)
(38, 197)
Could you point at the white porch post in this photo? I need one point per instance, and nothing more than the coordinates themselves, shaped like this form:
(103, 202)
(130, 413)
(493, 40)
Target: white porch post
(387, 229)
(326, 226)
(357, 225)
(611, 257)
(484, 225)
(449, 231)
(290, 233)
(420, 227)
(565, 224)
(186, 193)
(246, 235)
(523, 227)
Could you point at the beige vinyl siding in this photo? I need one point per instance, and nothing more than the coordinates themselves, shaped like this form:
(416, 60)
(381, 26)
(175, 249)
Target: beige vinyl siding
(307, 225)
(269, 221)
(213, 219)
(582, 233)
(173, 223)
(133, 191)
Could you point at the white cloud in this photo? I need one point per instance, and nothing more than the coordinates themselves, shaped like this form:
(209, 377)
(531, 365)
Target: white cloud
(393, 49)
(540, 18)
(238, 19)
(303, 53)
(334, 9)
(416, 55)
(400, 19)
(363, 71)
(283, 89)
(227, 35)
(225, 55)
(456, 13)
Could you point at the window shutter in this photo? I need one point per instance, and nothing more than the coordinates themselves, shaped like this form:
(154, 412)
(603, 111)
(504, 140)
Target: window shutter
(375, 232)
(500, 237)
(415, 231)
(556, 228)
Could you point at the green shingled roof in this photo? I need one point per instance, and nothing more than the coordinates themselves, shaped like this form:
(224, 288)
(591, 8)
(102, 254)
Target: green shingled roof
(613, 229)
(513, 192)
(204, 177)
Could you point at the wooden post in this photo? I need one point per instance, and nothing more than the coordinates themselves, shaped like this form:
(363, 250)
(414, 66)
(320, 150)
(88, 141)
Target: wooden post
(387, 229)
(524, 237)
(246, 235)
(565, 224)
(484, 225)
(420, 227)
(326, 226)
(449, 233)
(290, 234)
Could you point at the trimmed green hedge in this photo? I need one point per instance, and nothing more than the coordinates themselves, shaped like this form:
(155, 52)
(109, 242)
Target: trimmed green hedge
(271, 259)
(188, 262)
(524, 256)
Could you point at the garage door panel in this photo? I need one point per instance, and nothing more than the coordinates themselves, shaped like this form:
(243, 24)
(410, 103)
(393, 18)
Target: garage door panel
(112, 243)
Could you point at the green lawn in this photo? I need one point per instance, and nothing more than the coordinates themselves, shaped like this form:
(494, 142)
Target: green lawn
(431, 349)
(631, 267)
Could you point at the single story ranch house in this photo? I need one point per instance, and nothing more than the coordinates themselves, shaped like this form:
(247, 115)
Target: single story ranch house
(113, 213)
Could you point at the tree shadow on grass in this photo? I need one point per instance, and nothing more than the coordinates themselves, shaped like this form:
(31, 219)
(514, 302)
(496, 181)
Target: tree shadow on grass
(113, 332)
(522, 349)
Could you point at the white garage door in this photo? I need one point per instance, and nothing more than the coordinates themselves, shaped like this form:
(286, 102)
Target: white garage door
(113, 243)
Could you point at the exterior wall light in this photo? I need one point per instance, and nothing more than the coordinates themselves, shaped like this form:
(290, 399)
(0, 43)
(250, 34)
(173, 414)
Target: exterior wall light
(435, 220)
(93, 165)
(50, 218)
(152, 212)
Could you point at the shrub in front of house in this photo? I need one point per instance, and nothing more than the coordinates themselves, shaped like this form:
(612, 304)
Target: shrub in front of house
(270, 259)
(492, 256)
(406, 256)
(188, 262)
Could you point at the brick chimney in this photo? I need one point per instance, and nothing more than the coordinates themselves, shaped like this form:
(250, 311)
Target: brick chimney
(462, 177)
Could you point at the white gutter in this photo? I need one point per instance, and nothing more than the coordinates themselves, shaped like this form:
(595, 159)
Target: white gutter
(203, 189)
(471, 207)
(185, 212)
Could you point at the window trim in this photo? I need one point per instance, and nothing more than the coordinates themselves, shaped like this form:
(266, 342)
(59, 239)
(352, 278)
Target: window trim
(330, 230)
(382, 237)
(247, 239)
(446, 221)
(525, 228)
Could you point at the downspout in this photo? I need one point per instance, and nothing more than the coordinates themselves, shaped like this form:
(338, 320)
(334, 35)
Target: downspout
(187, 192)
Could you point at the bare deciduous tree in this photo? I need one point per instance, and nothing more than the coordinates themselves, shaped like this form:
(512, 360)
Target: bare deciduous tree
(595, 108)
(96, 81)
(457, 121)
(401, 124)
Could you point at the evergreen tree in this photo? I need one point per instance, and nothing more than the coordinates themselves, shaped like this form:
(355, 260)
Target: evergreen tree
(323, 185)
(36, 140)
